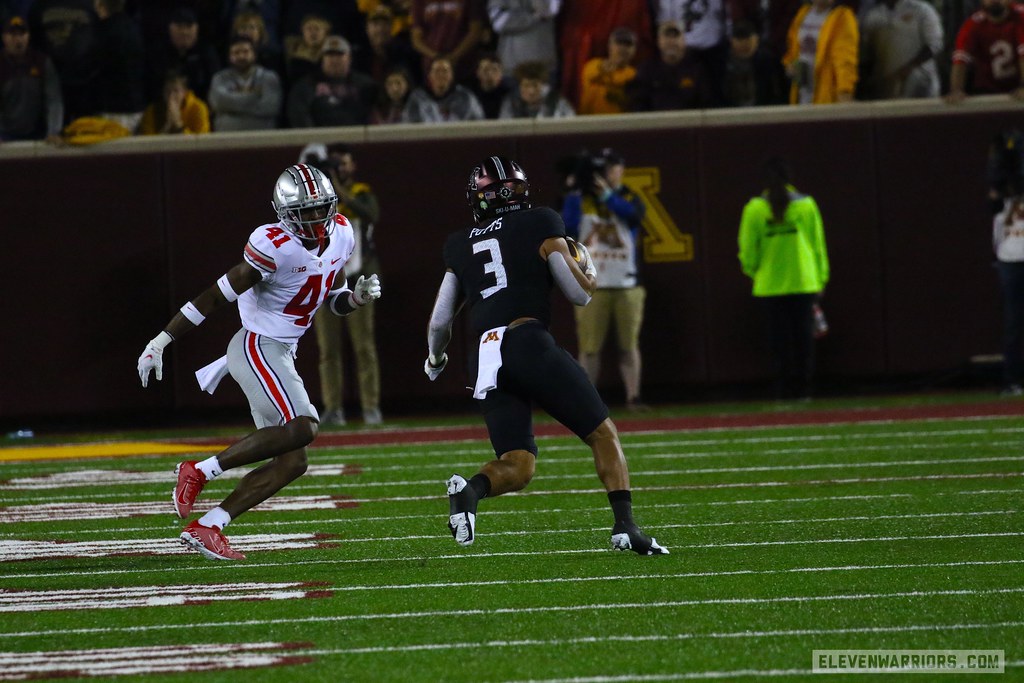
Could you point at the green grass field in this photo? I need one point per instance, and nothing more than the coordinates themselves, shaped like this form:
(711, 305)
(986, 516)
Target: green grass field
(903, 534)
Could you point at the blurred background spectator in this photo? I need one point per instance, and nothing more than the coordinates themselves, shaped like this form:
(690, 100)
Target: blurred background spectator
(525, 31)
(821, 60)
(451, 29)
(120, 83)
(245, 95)
(65, 30)
(392, 98)
(672, 79)
(184, 50)
(534, 98)
(899, 42)
(251, 24)
(31, 107)
(987, 56)
(442, 99)
(706, 29)
(602, 86)
(490, 85)
(384, 51)
(753, 77)
(335, 95)
(586, 26)
(177, 110)
(343, 16)
(302, 52)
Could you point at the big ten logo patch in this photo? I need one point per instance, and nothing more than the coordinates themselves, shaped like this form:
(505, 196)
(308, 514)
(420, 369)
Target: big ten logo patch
(663, 240)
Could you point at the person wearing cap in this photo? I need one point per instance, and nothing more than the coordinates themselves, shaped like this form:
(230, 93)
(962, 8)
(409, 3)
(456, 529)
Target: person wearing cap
(705, 25)
(673, 79)
(31, 107)
(602, 85)
(384, 51)
(822, 54)
(753, 77)
(605, 216)
(245, 96)
(442, 99)
(65, 31)
(184, 51)
(358, 203)
(335, 95)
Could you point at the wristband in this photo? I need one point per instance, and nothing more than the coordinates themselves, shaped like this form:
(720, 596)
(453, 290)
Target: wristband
(160, 341)
(192, 313)
(225, 288)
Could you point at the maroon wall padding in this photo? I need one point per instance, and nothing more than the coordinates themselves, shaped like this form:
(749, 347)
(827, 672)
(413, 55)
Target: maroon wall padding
(107, 247)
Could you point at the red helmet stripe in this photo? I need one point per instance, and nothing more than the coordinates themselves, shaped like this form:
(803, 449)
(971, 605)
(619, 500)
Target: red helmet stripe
(307, 179)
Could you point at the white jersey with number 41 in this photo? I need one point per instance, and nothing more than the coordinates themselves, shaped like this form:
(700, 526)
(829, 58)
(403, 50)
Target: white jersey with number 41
(295, 280)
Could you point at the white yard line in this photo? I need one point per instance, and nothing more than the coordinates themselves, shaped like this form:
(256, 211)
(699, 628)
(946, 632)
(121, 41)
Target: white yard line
(446, 586)
(546, 609)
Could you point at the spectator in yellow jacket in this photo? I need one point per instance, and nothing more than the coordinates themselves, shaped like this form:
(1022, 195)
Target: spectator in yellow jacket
(821, 54)
(177, 111)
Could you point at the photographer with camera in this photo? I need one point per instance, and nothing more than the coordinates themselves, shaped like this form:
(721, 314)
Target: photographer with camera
(356, 202)
(605, 215)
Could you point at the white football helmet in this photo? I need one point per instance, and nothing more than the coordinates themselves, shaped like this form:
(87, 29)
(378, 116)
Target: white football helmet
(305, 202)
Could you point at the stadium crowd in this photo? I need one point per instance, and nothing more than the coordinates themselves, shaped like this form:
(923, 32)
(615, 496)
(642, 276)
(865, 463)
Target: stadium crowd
(94, 69)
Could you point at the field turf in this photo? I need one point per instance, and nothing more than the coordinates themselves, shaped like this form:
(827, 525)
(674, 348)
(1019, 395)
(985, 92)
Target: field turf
(872, 529)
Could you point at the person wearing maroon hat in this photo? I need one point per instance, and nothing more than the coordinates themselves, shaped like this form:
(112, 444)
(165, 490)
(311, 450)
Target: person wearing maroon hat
(31, 107)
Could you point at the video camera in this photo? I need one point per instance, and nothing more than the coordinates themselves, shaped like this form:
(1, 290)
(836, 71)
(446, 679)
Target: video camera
(579, 169)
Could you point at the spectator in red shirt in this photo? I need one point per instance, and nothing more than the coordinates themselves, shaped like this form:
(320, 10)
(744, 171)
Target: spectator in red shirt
(989, 49)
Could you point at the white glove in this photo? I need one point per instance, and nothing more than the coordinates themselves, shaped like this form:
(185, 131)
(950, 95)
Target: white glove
(152, 358)
(434, 365)
(586, 262)
(366, 290)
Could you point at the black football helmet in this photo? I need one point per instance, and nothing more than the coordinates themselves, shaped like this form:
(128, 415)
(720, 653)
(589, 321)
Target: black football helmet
(496, 186)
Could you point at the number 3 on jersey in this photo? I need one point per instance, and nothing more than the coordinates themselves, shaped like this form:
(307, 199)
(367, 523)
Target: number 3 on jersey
(307, 299)
(493, 266)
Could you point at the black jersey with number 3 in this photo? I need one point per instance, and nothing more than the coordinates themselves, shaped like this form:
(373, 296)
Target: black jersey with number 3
(500, 270)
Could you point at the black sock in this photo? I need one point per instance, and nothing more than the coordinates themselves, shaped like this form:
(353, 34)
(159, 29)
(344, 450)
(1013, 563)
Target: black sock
(622, 506)
(481, 484)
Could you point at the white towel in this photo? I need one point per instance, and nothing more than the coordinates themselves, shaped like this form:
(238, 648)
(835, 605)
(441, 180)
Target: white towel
(490, 361)
(209, 376)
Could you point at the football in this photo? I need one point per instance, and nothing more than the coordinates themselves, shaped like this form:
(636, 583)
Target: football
(577, 256)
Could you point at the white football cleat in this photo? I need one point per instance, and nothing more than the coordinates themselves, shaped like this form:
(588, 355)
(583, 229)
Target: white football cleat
(462, 510)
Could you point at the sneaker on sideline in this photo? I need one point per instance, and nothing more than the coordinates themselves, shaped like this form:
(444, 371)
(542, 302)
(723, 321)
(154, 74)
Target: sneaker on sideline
(209, 541)
(190, 484)
(334, 418)
(373, 416)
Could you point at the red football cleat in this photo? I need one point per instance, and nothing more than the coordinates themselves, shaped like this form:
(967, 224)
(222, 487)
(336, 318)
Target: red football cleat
(209, 541)
(190, 482)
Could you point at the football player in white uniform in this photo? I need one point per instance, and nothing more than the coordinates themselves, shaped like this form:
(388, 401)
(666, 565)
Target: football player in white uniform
(289, 269)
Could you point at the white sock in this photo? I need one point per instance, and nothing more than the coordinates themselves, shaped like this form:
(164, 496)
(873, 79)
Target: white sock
(210, 467)
(217, 517)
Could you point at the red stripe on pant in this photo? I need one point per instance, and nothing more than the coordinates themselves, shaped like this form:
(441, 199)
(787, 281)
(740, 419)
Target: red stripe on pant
(276, 393)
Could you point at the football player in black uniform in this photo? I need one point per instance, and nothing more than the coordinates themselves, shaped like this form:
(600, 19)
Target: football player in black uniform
(504, 267)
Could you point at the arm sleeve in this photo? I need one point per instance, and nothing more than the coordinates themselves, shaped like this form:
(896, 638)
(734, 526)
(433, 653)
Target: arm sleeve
(439, 329)
(269, 102)
(566, 281)
(750, 248)
(845, 48)
(820, 251)
(627, 206)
